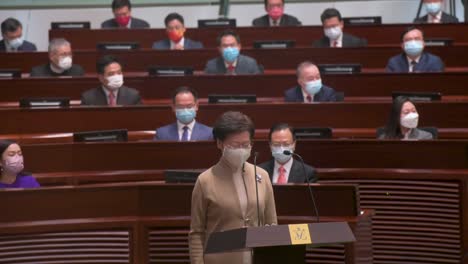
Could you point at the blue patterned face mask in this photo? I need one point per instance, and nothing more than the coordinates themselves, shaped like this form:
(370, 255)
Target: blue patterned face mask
(230, 54)
(186, 115)
(414, 47)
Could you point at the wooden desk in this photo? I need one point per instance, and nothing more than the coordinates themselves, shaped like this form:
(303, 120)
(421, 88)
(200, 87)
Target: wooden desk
(140, 60)
(76, 157)
(304, 36)
(135, 118)
(427, 209)
(130, 223)
(151, 88)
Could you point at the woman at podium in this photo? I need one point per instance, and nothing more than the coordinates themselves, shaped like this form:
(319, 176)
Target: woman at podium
(224, 196)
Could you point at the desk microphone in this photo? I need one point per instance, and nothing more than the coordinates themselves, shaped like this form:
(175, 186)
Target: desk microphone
(290, 153)
(256, 187)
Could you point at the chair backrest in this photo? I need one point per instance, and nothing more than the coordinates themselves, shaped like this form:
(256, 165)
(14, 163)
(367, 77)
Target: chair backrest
(433, 130)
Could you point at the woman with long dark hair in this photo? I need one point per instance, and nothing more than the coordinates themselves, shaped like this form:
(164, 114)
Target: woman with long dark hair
(11, 167)
(403, 122)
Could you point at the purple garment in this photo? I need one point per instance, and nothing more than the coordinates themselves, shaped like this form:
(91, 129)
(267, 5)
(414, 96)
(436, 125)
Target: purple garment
(22, 181)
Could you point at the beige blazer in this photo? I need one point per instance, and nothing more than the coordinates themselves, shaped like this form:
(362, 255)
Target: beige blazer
(216, 207)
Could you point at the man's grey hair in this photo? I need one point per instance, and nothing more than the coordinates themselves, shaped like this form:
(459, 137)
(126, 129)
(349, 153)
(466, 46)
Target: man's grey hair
(56, 43)
(302, 66)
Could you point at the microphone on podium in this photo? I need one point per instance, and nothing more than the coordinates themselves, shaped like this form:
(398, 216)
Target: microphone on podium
(290, 153)
(256, 187)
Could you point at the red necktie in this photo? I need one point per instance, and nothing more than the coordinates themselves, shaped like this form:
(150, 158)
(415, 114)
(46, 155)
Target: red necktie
(231, 68)
(335, 44)
(309, 98)
(112, 101)
(281, 175)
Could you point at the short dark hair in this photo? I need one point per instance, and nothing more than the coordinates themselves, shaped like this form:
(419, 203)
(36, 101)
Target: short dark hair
(329, 13)
(4, 144)
(392, 129)
(184, 89)
(279, 127)
(104, 61)
(228, 32)
(408, 29)
(232, 123)
(10, 25)
(266, 2)
(173, 16)
(117, 4)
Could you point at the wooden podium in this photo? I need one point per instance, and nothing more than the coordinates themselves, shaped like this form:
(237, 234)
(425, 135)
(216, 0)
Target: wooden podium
(280, 243)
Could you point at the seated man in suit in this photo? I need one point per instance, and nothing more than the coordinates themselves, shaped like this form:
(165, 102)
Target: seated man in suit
(122, 10)
(310, 88)
(333, 29)
(414, 58)
(175, 30)
(185, 107)
(60, 61)
(112, 91)
(283, 168)
(12, 34)
(275, 16)
(231, 62)
(435, 15)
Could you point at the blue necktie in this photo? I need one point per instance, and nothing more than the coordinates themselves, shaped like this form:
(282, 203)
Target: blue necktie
(185, 134)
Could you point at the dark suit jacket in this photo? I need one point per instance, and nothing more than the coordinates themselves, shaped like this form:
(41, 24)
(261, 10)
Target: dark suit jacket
(134, 23)
(296, 175)
(294, 94)
(27, 46)
(286, 20)
(165, 44)
(96, 96)
(427, 63)
(45, 71)
(169, 132)
(245, 65)
(349, 41)
(446, 18)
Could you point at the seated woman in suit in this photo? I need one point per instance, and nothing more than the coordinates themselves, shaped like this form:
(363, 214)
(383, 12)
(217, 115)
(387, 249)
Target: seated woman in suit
(12, 165)
(224, 196)
(403, 122)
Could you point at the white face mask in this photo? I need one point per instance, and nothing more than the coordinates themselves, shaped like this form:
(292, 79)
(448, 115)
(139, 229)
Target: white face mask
(114, 82)
(65, 63)
(16, 43)
(333, 33)
(236, 156)
(14, 164)
(278, 154)
(410, 120)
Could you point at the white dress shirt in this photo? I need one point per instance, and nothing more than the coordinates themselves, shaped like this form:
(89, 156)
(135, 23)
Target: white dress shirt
(180, 129)
(434, 19)
(107, 92)
(339, 42)
(304, 95)
(181, 42)
(272, 23)
(409, 62)
(287, 167)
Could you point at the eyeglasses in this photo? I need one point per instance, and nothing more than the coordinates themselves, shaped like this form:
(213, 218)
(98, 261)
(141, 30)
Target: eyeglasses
(236, 145)
(281, 144)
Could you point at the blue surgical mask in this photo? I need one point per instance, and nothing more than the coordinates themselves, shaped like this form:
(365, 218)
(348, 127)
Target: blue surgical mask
(186, 115)
(433, 8)
(313, 87)
(230, 54)
(16, 43)
(414, 47)
(279, 156)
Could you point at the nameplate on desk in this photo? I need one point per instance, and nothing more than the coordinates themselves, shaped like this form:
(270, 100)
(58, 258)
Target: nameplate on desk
(313, 132)
(71, 25)
(419, 96)
(45, 102)
(231, 98)
(273, 44)
(203, 23)
(348, 21)
(118, 46)
(339, 68)
(435, 42)
(10, 73)
(117, 135)
(169, 71)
